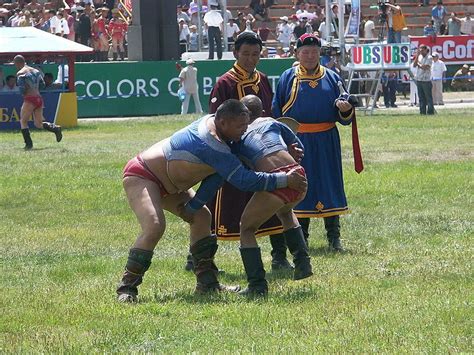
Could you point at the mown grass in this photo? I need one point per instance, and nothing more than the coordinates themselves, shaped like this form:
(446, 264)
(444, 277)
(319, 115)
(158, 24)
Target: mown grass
(405, 284)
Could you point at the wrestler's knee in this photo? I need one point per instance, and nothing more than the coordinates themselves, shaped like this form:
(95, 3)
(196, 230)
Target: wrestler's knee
(248, 227)
(154, 230)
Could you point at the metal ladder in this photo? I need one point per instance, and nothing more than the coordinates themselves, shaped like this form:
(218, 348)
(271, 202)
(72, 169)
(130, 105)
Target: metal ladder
(364, 77)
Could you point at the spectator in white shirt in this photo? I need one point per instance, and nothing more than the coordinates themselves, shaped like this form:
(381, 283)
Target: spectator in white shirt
(232, 30)
(322, 30)
(63, 74)
(15, 21)
(214, 22)
(10, 85)
(438, 74)
(413, 88)
(63, 27)
(183, 35)
(285, 32)
(54, 24)
(467, 24)
(188, 81)
(369, 28)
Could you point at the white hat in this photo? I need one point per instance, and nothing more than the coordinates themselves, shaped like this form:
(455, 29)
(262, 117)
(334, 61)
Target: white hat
(284, 18)
(290, 122)
(190, 61)
(435, 54)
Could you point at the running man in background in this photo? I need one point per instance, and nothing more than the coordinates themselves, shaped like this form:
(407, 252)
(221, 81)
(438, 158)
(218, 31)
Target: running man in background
(29, 81)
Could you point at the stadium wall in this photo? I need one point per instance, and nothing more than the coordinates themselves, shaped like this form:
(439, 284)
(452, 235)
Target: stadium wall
(149, 88)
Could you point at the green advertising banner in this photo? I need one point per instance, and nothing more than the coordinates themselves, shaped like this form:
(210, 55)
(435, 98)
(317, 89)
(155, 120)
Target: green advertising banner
(150, 88)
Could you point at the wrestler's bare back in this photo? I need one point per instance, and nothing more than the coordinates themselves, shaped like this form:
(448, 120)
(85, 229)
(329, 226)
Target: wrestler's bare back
(273, 160)
(176, 175)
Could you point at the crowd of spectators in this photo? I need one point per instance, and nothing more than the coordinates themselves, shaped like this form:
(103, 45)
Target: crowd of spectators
(99, 24)
(102, 24)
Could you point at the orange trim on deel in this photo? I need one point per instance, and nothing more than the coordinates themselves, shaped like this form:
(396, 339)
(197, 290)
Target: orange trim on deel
(315, 127)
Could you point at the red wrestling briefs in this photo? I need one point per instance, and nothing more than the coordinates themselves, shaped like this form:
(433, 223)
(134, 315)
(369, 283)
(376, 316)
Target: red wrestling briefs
(35, 100)
(287, 194)
(137, 167)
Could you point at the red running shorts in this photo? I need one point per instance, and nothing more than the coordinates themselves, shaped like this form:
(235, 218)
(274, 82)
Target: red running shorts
(287, 194)
(35, 100)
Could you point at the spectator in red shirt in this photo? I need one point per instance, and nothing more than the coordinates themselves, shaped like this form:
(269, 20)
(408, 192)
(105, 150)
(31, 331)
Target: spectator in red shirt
(117, 30)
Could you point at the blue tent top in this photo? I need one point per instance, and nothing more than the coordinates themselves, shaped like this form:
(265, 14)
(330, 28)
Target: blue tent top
(32, 41)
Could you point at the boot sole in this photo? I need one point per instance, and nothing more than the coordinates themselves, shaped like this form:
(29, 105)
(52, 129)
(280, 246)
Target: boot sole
(253, 294)
(126, 298)
(59, 136)
(222, 288)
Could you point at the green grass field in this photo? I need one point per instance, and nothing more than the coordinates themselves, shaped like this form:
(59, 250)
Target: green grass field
(405, 284)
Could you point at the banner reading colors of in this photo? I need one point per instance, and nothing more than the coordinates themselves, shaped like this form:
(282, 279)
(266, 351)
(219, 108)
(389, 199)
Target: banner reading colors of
(451, 49)
(150, 88)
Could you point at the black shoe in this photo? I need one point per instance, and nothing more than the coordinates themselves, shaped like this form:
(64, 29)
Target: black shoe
(28, 146)
(253, 292)
(281, 265)
(59, 134)
(393, 105)
(336, 245)
(189, 266)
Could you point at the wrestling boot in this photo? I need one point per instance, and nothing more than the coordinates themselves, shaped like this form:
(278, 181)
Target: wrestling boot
(304, 223)
(298, 248)
(122, 56)
(279, 261)
(138, 262)
(27, 138)
(252, 259)
(51, 127)
(333, 233)
(189, 266)
(205, 269)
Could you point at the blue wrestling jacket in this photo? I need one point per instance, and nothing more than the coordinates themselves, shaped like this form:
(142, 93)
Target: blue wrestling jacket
(196, 144)
(30, 80)
(265, 136)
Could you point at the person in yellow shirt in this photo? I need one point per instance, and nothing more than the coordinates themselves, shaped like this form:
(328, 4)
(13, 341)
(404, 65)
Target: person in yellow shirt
(395, 22)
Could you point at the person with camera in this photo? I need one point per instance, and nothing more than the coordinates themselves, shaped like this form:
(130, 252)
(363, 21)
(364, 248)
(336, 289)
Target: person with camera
(330, 58)
(395, 22)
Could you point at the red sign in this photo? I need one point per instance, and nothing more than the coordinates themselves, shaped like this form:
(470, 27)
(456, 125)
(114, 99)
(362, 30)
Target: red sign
(451, 49)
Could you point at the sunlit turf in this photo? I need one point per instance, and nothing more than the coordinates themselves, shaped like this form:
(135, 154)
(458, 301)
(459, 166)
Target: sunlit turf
(404, 285)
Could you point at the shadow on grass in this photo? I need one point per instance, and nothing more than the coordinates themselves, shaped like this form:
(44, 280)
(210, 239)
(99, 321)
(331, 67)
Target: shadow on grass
(327, 252)
(292, 295)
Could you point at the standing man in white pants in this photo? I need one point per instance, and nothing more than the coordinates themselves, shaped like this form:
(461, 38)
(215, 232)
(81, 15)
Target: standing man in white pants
(438, 74)
(188, 80)
(414, 101)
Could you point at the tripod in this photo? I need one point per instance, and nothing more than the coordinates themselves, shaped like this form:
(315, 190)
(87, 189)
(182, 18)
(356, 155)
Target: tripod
(383, 22)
